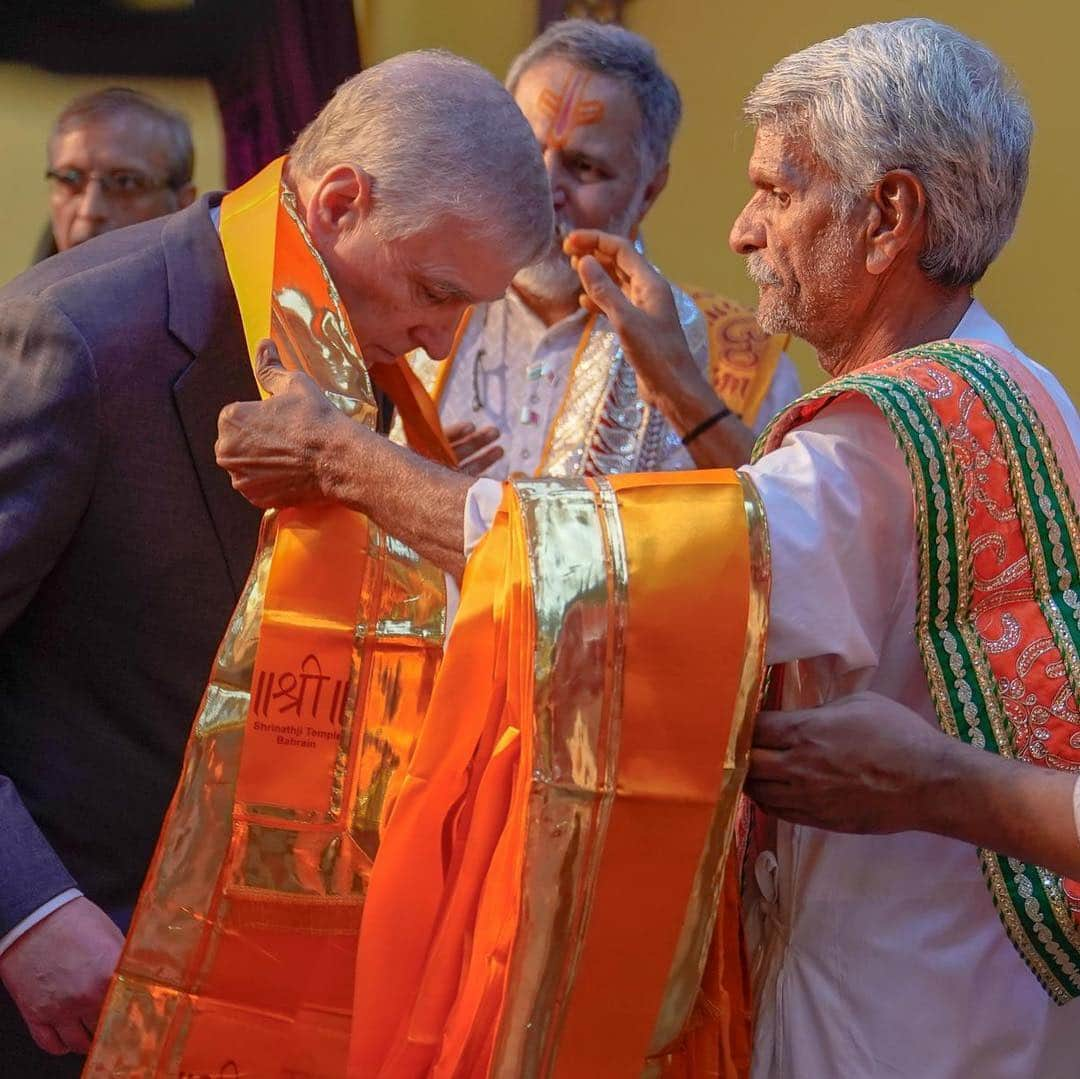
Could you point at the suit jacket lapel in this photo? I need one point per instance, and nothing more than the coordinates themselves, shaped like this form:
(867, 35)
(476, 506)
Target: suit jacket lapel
(204, 318)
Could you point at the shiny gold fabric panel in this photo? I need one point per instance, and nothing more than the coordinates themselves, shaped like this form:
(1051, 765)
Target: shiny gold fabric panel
(583, 580)
(604, 427)
(579, 586)
(241, 954)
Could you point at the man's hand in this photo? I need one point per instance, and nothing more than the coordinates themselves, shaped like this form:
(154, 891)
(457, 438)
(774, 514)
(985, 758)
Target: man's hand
(295, 447)
(860, 764)
(637, 301)
(867, 764)
(473, 449)
(281, 451)
(58, 971)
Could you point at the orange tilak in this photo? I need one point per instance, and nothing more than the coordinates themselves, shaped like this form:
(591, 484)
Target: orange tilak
(569, 109)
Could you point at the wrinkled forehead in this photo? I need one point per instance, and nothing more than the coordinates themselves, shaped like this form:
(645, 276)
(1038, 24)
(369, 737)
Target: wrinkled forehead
(122, 140)
(569, 106)
(784, 154)
(456, 260)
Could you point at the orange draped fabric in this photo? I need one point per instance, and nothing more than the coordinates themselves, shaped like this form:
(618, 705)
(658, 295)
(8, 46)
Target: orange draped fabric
(513, 865)
(500, 952)
(240, 959)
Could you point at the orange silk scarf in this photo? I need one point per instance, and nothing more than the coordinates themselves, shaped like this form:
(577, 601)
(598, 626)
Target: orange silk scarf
(549, 877)
(241, 956)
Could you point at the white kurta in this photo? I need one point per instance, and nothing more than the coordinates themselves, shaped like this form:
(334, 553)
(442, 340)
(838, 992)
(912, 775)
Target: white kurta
(511, 373)
(881, 956)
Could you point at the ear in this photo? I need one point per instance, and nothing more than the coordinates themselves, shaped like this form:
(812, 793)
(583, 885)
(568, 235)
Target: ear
(185, 196)
(339, 201)
(652, 190)
(897, 219)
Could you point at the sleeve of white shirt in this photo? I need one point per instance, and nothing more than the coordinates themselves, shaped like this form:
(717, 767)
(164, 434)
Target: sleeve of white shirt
(39, 915)
(481, 504)
(838, 505)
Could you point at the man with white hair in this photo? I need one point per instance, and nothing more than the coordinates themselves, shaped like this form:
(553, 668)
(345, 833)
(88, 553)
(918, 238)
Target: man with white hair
(888, 171)
(536, 385)
(123, 549)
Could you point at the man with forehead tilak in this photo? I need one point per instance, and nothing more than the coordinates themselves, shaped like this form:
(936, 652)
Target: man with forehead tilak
(538, 386)
(924, 546)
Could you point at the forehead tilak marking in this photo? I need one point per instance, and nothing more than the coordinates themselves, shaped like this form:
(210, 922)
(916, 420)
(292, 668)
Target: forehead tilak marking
(569, 109)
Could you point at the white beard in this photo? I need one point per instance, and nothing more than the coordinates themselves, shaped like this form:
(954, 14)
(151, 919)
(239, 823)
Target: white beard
(552, 278)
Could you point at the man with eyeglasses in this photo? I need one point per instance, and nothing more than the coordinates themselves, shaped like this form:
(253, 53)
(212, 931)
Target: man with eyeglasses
(116, 157)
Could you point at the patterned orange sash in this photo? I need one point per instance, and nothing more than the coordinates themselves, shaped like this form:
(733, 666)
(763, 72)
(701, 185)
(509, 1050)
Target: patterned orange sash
(241, 955)
(998, 620)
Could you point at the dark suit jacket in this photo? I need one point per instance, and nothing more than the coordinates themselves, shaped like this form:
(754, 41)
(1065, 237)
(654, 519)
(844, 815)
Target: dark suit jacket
(123, 548)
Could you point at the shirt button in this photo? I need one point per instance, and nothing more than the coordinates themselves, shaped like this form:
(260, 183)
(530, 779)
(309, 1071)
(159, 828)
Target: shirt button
(524, 455)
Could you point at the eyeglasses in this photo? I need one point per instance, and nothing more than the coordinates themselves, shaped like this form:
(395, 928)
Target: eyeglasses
(120, 184)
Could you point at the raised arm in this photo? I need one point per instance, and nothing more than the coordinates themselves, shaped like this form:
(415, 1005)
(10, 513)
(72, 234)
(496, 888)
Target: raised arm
(295, 447)
(638, 303)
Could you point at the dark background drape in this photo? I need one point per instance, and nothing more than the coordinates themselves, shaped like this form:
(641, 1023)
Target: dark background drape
(272, 63)
(270, 87)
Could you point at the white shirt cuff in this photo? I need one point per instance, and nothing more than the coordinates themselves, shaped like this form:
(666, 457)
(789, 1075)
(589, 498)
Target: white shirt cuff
(39, 915)
(481, 504)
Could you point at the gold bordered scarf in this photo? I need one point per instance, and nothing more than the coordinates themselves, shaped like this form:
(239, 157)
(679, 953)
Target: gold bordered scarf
(241, 955)
(550, 877)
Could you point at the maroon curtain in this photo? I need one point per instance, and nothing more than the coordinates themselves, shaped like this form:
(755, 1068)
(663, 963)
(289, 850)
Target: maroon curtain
(550, 11)
(295, 53)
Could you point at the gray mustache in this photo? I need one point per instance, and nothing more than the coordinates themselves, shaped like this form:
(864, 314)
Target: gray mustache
(760, 272)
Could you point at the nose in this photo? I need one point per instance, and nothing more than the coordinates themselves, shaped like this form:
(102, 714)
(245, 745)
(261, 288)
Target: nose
(556, 177)
(436, 334)
(92, 202)
(747, 234)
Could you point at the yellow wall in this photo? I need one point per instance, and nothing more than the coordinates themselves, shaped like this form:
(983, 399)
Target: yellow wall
(29, 103)
(717, 50)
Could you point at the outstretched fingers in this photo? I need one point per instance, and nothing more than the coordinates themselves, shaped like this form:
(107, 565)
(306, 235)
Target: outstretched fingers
(615, 253)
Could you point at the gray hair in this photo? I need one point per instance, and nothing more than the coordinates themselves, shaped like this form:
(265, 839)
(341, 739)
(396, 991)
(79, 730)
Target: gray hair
(118, 100)
(919, 95)
(440, 138)
(619, 54)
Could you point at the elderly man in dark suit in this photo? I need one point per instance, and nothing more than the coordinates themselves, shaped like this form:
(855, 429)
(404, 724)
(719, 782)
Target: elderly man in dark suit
(123, 548)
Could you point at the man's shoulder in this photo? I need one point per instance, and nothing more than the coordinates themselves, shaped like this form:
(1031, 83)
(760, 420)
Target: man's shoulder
(117, 280)
(81, 267)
